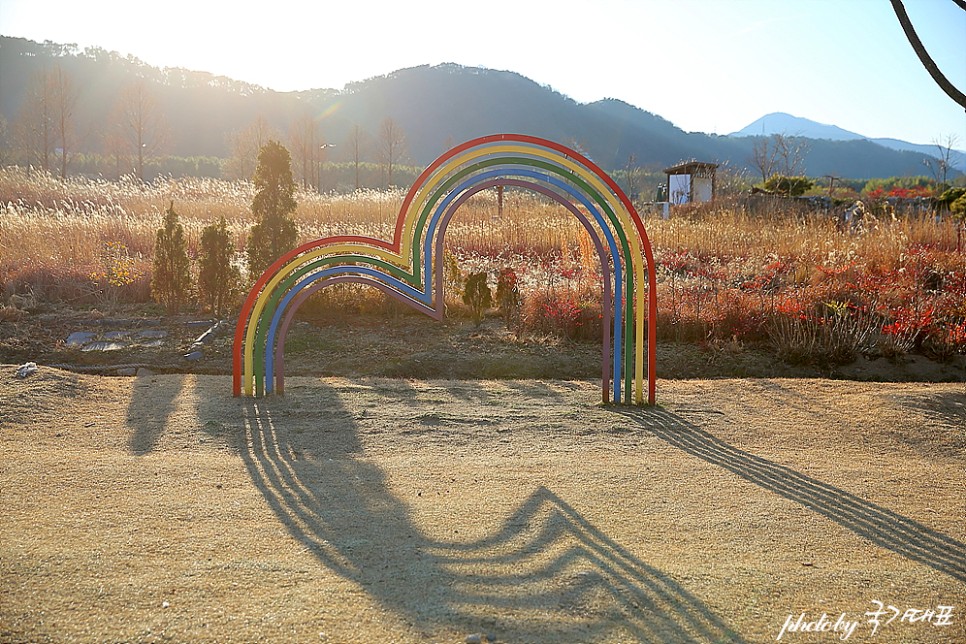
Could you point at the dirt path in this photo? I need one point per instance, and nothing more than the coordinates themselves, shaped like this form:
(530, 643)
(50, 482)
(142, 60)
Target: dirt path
(161, 509)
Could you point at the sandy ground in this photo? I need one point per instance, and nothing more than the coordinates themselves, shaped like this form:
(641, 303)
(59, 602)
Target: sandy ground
(159, 508)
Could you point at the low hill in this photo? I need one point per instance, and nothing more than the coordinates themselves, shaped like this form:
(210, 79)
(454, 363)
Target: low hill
(435, 106)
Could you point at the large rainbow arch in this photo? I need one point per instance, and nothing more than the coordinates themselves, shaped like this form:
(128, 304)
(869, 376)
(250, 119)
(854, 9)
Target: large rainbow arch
(407, 268)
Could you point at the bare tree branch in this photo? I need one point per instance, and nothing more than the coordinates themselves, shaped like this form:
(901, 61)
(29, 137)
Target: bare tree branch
(924, 57)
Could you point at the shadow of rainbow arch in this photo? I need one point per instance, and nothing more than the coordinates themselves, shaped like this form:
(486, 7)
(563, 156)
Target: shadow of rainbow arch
(406, 268)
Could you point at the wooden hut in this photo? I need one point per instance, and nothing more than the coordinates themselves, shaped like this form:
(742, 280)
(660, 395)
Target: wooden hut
(691, 182)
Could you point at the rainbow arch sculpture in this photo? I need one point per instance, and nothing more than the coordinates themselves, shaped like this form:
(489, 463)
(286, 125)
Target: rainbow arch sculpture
(410, 269)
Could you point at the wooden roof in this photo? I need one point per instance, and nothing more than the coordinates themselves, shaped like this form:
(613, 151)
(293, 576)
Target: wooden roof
(692, 167)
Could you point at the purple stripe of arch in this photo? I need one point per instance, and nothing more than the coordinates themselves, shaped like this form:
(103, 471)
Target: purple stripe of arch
(459, 195)
(542, 179)
(601, 253)
(304, 295)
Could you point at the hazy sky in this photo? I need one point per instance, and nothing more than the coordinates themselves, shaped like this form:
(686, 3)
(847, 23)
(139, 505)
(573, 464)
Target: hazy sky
(705, 65)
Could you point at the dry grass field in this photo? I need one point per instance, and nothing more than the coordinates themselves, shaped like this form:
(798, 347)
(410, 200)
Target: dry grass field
(161, 509)
(803, 284)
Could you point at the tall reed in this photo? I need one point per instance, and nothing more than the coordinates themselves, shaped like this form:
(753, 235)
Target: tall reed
(723, 271)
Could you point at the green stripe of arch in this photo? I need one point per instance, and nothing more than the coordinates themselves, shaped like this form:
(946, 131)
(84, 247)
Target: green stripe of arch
(590, 191)
(287, 283)
(415, 277)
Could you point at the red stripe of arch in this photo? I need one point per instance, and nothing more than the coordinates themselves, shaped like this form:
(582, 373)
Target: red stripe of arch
(266, 276)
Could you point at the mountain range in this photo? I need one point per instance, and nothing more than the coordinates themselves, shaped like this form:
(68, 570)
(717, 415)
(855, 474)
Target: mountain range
(786, 124)
(435, 107)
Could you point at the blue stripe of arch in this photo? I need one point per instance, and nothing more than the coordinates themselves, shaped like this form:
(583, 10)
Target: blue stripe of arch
(328, 272)
(425, 296)
(509, 171)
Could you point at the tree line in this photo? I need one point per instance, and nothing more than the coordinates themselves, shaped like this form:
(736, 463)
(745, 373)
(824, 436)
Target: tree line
(135, 137)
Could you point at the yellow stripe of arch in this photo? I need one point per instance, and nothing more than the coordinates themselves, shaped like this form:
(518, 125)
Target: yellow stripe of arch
(403, 259)
(407, 241)
(265, 295)
(630, 228)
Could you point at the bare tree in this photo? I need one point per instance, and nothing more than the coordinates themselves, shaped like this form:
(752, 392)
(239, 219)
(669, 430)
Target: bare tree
(393, 146)
(779, 154)
(116, 146)
(44, 128)
(763, 157)
(321, 163)
(356, 144)
(930, 65)
(64, 97)
(633, 177)
(790, 152)
(34, 127)
(139, 123)
(305, 146)
(4, 141)
(940, 165)
(245, 145)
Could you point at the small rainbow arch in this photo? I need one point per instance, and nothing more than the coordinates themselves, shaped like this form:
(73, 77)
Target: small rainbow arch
(410, 269)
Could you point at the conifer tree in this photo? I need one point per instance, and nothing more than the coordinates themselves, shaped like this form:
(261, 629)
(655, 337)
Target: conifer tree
(477, 296)
(218, 278)
(274, 232)
(171, 279)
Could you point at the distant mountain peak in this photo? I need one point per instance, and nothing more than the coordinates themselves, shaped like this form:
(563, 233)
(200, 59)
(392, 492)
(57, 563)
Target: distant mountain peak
(784, 123)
